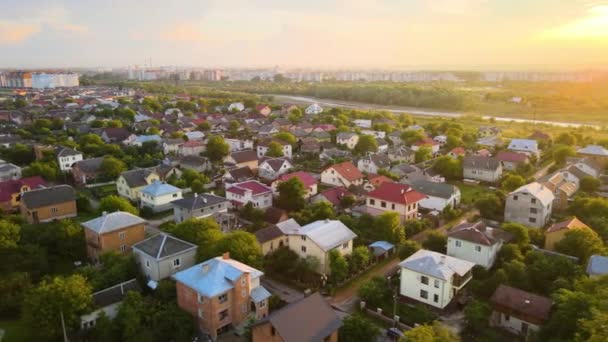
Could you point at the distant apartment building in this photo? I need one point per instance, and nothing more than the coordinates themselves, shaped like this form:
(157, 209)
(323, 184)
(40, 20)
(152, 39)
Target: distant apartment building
(39, 80)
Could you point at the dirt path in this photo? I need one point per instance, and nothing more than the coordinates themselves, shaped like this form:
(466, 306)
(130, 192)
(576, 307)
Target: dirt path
(444, 228)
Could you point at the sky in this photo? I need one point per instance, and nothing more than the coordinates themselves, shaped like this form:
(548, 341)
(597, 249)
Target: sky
(408, 34)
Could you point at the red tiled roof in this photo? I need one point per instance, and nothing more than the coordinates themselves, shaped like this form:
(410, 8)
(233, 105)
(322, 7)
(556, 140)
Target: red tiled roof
(255, 187)
(426, 142)
(10, 187)
(192, 143)
(304, 177)
(458, 150)
(396, 193)
(568, 224)
(335, 195)
(378, 179)
(513, 157)
(347, 170)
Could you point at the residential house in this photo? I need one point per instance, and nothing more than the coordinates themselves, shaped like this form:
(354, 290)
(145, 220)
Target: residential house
(313, 109)
(263, 109)
(373, 163)
(196, 163)
(87, 170)
(557, 231)
(491, 141)
(344, 173)
(163, 255)
(561, 188)
(363, 123)
(595, 152)
(375, 180)
(333, 196)
(441, 139)
(530, 205)
(597, 266)
(140, 140)
(113, 232)
(426, 142)
(116, 135)
(272, 168)
(199, 206)
(239, 144)
(240, 174)
(375, 134)
(66, 157)
(221, 293)
(130, 182)
(236, 107)
(310, 183)
(512, 160)
(518, 311)
(107, 301)
(11, 190)
(483, 153)
(243, 158)
(525, 146)
(191, 148)
(488, 131)
(9, 171)
(268, 130)
(382, 145)
(585, 168)
(348, 139)
(485, 169)
(477, 243)
(457, 152)
(319, 323)
(409, 172)
(171, 145)
(272, 237)
(394, 197)
(195, 135)
(433, 278)
(262, 147)
(254, 192)
(317, 239)
(438, 195)
(395, 138)
(539, 136)
(159, 195)
(48, 204)
(329, 154)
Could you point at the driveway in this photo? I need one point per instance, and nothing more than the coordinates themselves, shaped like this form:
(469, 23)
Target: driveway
(152, 226)
(283, 291)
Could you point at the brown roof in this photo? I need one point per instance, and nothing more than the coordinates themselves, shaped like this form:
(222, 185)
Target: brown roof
(480, 234)
(348, 170)
(268, 233)
(244, 156)
(519, 303)
(309, 319)
(568, 224)
(275, 215)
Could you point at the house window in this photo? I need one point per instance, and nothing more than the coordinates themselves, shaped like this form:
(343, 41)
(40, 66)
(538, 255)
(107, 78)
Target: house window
(177, 262)
(424, 280)
(123, 248)
(436, 283)
(515, 198)
(372, 201)
(54, 210)
(147, 263)
(383, 204)
(345, 245)
(507, 318)
(200, 312)
(478, 248)
(424, 294)
(262, 304)
(243, 293)
(244, 308)
(272, 331)
(303, 249)
(303, 237)
(200, 299)
(243, 281)
(458, 243)
(533, 211)
(532, 219)
(436, 298)
(122, 235)
(174, 195)
(393, 206)
(223, 315)
(223, 298)
(533, 200)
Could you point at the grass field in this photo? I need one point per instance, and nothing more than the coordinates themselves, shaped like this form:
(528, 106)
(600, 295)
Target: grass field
(14, 331)
(470, 193)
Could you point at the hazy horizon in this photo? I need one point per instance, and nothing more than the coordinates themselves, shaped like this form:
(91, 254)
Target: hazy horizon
(431, 35)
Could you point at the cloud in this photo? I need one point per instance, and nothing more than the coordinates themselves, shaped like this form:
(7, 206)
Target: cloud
(13, 33)
(182, 33)
(593, 26)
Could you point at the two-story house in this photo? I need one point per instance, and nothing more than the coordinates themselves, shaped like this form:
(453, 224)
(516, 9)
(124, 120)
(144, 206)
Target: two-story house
(159, 195)
(87, 170)
(595, 152)
(243, 158)
(272, 168)
(428, 143)
(116, 232)
(239, 144)
(433, 278)
(163, 255)
(263, 145)
(530, 205)
(374, 162)
(11, 190)
(191, 148)
(401, 154)
(254, 192)
(562, 189)
(310, 183)
(130, 182)
(438, 195)
(477, 243)
(345, 174)
(221, 293)
(107, 301)
(48, 204)
(518, 311)
(512, 160)
(396, 197)
(116, 135)
(485, 169)
(66, 157)
(199, 206)
(525, 146)
(348, 139)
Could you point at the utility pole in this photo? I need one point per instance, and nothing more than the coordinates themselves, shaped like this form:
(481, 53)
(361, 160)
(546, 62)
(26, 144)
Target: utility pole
(65, 335)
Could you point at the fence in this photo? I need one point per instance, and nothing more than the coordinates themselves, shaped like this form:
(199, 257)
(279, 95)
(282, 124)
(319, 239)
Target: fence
(97, 185)
(388, 320)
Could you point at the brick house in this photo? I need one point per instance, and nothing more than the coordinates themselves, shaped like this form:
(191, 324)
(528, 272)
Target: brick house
(86, 170)
(116, 231)
(48, 204)
(397, 197)
(221, 293)
(11, 190)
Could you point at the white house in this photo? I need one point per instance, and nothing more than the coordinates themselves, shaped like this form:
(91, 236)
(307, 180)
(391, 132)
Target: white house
(375, 134)
(262, 147)
(345, 174)
(363, 123)
(238, 144)
(66, 157)
(236, 107)
(476, 243)
(433, 278)
(374, 162)
(394, 197)
(438, 195)
(314, 109)
(530, 205)
(254, 192)
(348, 139)
(272, 168)
(441, 139)
(159, 195)
(485, 169)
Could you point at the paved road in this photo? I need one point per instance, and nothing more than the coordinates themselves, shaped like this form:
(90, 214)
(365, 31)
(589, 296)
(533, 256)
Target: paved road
(283, 291)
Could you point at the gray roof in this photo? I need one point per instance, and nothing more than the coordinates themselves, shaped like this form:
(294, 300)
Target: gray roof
(48, 196)
(66, 152)
(136, 178)
(436, 265)
(434, 189)
(115, 294)
(327, 234)
(109, 222)
(598, 265)
(259, 294)
(594, 150)
(479, 162)
(199, 201)
(163, 245)
(90, 165)
(539, 191)
(268, 233)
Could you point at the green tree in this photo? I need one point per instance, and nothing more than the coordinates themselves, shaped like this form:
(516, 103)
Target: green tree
(112, 167)
(114, 203)
(47, 170)
(408, 248)
(44, 303)
(217, 148)
(581, 243)
(366, 144)
(423, 154)
(242, 246)
(359, 258)
(374, 291)
(562, 152)
(448, 167)
(490, 206)
(389, 228)
(566, 138)
(357, 328)
(436, 332)
(519, 231)
(511, 182)
(593, 329)
(205, 233)
(476, 315)
(291, 194)
(286, 137)
(411, 136)
(274, 150)
(197, 186)
(295, 115)
(9, 234)
(338, 266)
(13, 287)
(590, 184)
(435, 241)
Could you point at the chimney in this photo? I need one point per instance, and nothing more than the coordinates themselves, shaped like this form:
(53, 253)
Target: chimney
(195, 194)
(442, 260)
(226, 256)
(527, 301)
(204, 200)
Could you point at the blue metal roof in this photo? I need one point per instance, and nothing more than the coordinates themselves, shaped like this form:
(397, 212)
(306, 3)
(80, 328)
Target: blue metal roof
(382, 244)
(158, 188)
(598, 265)
(145, 138)
(259, 294)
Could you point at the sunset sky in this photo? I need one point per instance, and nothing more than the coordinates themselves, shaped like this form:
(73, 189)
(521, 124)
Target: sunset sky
(463, 34)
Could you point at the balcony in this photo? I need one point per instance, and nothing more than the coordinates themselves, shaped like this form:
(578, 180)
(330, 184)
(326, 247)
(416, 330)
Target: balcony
(460, 281)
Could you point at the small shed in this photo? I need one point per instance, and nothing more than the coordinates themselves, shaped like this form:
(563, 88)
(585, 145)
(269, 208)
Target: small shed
(382, 249)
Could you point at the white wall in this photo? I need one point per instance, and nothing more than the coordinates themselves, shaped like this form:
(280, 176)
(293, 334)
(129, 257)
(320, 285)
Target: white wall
(485, 257)
(519, 210)
(411, 286)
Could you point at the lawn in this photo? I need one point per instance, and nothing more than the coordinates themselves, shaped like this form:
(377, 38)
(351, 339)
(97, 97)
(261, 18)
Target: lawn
(14, 331)
(470, 192)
